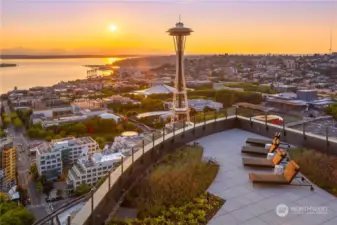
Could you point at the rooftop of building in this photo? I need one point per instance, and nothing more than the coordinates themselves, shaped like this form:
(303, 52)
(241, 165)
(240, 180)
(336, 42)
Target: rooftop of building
(248, 204)
(46, 147)
(6, 142)
(288, 102)
(106, 157)
(256, 204)
(306, 90)
(157, 89)
(155, 113)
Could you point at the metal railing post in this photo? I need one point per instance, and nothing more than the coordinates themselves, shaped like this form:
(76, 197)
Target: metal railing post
(143, 149)
(284, 128)
(215, 116)
(163, 134)
(265, 120)
(109, 180)
(132, 151)
(194, 124)
(152, 140)
(183, 129)
(236, 111)
(250, 120)
(174, 131)
(122, 165)
(304, 136)
(69, 220)
(204, 122)
(162, 144)
(92, 208)
(327, 139)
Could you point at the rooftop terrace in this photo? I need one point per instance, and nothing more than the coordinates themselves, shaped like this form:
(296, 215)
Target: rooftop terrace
(222, 139)
(248, 204)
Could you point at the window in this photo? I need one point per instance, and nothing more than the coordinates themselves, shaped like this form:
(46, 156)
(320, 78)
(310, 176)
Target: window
(54, 161)
(58, 160)
(48, 167)
(59, 164)
(48, 162)
(43, 162)
(93, 170)
(53, 166)
(99, 173)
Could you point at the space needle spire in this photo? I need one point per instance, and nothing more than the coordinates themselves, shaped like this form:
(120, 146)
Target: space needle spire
(180, 110)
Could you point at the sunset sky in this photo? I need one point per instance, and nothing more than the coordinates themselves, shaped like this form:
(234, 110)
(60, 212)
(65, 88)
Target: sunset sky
(221, 26)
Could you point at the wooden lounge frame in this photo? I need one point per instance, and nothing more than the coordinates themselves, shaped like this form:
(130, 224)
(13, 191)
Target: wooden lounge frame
(262, 142)
(261, 150)
(286, 178)
(263, 162)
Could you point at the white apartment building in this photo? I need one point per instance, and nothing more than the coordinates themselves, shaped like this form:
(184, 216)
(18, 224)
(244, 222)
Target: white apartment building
(89, 169)
(50, 157)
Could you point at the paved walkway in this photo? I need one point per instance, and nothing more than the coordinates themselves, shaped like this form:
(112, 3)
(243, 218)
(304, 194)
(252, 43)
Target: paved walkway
(256, 205)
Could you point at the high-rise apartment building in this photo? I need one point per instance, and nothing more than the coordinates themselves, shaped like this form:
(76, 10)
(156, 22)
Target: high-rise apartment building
(7, 164)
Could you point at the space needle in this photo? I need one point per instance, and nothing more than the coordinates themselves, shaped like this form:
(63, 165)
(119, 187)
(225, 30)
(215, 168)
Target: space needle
(180, 110)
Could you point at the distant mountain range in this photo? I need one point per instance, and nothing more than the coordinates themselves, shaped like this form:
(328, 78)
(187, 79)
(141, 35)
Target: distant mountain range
(61, 56)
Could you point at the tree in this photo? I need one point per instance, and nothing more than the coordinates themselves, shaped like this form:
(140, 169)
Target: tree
(2, 133)
(17, 215)
(33, 171)
(39, 186)
(82, 189)
(6, 120)
(100, 141)
(17, 122)
(63, 133)
(48, 138)
(3, 197)
(120, 128)
(13, 115)
(130, 126)
(57, 136)
(79, 128)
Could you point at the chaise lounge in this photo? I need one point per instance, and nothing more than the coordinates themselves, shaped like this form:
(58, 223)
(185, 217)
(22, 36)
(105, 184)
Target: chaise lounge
(286, 178)
(263, 162)
(261, 150)
(262, 142)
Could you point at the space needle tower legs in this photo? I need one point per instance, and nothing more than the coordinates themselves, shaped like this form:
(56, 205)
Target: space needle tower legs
(180, 110)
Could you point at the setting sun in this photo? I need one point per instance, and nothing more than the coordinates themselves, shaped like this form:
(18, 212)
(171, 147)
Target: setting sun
(112, 28)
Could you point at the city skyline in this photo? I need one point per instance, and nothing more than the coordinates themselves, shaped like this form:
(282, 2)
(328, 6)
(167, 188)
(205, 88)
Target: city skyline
(245, 27)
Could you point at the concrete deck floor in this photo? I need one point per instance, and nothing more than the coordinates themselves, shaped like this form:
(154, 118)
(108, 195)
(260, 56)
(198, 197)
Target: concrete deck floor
(256, 205)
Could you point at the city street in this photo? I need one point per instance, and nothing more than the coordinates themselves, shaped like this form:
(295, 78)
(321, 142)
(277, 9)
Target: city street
(23, 161)
(45, 209)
